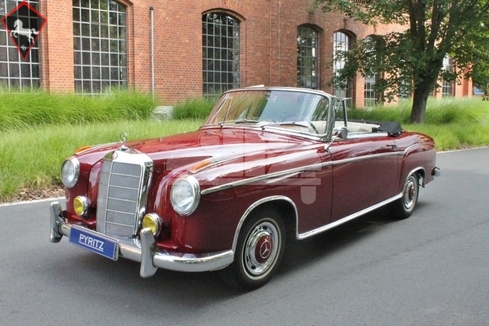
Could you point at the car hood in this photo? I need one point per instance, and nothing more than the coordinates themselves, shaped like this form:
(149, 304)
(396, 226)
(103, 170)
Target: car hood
(205, 146)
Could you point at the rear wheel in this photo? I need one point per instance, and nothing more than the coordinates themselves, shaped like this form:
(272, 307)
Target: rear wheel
(403, 207)
(259, 250)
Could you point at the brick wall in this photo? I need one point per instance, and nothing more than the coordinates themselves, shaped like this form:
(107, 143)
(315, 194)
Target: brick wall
(57, 46)
(268, 38)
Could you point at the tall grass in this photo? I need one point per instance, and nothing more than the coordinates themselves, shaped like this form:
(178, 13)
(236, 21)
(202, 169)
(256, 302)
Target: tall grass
(454, 123)
(438, 112)
(32, 157)
(39, 130)
(36, 107)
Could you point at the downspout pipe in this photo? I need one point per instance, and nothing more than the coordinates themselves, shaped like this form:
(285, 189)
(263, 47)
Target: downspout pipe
(151, 10)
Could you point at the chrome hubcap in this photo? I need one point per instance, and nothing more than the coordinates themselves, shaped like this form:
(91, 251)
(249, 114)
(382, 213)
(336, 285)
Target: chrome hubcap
(261, 248)
(410, 192)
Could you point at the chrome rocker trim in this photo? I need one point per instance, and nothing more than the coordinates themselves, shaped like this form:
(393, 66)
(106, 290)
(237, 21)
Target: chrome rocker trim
(146, 252)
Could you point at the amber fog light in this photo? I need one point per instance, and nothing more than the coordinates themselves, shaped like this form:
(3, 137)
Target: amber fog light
(80, 205)
(153, 222)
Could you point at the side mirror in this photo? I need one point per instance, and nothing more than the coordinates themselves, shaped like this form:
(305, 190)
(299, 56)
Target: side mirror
(341, 133)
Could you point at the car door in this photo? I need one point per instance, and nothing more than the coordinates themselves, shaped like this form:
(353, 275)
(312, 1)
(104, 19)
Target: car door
(365, 172)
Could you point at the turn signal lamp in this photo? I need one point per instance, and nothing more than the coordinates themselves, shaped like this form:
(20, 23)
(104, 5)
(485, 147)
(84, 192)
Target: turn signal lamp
(83, 148)
(153, 222)
(200, 165)
(80, 205)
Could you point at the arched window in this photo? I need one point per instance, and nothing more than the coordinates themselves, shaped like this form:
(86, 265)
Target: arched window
(307, 57)
(220, 49)
(16, 72)
(100, 45)
(341, 43)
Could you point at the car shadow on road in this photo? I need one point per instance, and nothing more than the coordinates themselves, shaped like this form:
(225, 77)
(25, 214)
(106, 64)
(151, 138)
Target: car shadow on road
(301, 253)
(94, 276)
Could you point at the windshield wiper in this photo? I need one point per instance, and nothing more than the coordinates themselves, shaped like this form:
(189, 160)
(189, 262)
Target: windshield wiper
(245, 121)
(294, 123)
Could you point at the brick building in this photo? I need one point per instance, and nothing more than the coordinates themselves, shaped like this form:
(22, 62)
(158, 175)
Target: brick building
(187, 48)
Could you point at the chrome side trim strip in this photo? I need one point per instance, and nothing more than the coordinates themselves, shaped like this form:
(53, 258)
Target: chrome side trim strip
(242, 182)
(366, 157)
(346, 219)
(291, 172)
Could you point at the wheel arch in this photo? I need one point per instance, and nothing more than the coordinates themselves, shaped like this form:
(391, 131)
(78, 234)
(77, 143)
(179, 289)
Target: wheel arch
(413, 161)
(284, 205)
(403, 207)
(419, 171)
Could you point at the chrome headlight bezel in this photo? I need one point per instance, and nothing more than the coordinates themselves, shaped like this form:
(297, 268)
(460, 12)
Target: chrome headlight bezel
(185, 195)
(70, 171)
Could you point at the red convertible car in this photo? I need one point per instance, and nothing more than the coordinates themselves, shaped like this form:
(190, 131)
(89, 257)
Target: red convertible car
(269, 163)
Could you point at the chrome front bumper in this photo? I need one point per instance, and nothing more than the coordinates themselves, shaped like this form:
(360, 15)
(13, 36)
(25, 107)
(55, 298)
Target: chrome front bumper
(146, 252)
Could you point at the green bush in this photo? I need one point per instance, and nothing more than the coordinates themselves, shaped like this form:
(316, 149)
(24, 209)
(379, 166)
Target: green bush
(197, 108)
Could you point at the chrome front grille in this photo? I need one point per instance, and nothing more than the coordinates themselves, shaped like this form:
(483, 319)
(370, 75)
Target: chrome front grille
(122, 193)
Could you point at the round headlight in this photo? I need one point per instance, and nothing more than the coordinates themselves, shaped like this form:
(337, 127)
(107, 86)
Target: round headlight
(70, 172)
(185, 195)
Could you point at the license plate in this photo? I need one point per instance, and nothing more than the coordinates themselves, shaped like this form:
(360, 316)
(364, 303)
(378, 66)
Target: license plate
(94, 242)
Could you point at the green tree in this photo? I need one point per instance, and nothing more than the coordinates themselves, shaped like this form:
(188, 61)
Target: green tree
(412, 60)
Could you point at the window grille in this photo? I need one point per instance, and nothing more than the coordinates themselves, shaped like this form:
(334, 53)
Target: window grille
(448, 85)
(371, 96)
(100, 46)
(341, 43)
(307, 57)
(220, 48)
(15, 72)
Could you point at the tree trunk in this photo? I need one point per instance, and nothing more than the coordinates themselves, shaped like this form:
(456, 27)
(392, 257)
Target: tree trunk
(420, 99)
(418, 109)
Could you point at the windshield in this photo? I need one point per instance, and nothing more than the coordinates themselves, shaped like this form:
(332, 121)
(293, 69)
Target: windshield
(276, 108)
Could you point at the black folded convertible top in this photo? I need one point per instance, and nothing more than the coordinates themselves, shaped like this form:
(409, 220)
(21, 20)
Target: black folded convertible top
(393, 128)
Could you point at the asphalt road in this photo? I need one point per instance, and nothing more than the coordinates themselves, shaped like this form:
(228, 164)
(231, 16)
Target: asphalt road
(430, 269)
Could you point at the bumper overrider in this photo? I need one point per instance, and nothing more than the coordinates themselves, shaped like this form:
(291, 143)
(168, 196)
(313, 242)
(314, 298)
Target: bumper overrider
(145, 251)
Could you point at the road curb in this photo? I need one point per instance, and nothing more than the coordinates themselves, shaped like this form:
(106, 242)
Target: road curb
(31, 201)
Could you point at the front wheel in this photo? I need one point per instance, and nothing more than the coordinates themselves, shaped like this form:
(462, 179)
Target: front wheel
(403, 207)
(259, 249)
